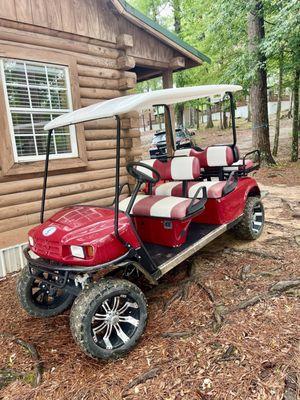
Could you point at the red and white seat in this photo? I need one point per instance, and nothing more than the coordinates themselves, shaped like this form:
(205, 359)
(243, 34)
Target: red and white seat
(165, 205)
(180, 168)
(214, 189)
(157, 206)
(185, 168)
(211, 156)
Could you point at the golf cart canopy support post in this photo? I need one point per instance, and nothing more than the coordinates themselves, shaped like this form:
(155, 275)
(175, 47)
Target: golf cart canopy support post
(232, 111)
(169, 126)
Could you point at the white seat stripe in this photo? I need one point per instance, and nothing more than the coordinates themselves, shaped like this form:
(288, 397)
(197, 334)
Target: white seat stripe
(216, 156)
(194, 188)
(163, 208)
(124, 203)
(166, 188)
(182, 168)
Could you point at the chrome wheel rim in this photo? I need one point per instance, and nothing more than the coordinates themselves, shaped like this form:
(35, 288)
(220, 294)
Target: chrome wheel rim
(257, 218)
(115, 321)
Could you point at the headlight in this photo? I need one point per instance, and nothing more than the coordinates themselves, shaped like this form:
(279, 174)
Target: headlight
(77, 251)
(31, 241)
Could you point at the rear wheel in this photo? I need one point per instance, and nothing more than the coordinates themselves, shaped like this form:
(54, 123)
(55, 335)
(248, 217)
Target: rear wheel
(108, 318)
(252, 223)
(39, 298)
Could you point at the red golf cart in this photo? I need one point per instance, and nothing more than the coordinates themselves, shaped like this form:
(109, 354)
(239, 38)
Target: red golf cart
(89, 256)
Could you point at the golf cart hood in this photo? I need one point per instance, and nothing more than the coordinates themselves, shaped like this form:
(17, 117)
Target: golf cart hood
(84, 226)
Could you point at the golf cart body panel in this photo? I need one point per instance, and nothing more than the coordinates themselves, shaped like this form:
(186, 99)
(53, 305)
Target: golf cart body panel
(84, 226)
(226, 209)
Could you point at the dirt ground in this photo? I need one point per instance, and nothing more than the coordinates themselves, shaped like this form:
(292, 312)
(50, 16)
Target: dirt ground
(218, 327)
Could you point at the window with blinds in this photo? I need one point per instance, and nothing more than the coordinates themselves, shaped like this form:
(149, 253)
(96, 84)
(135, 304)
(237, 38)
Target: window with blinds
(35, 94)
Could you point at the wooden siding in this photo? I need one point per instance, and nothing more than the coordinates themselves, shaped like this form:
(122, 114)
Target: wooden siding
(99, 79)
(96, 19)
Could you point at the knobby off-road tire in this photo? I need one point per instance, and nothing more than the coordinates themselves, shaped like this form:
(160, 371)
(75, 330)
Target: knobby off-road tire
(36, 301)
(108, 318)
(252, 223)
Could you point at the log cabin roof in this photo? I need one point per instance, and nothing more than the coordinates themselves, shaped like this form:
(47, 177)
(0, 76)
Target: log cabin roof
(160, 32)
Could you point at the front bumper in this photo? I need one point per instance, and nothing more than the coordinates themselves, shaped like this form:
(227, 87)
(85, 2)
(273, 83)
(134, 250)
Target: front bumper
(50, 265)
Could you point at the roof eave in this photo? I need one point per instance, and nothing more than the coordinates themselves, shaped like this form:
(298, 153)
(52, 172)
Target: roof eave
(163, 34)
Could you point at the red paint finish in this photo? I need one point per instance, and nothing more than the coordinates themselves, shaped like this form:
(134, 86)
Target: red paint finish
(229, 207)
(166, 232)
(83, 226)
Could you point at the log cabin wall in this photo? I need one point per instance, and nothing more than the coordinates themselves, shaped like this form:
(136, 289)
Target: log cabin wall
(88, 32)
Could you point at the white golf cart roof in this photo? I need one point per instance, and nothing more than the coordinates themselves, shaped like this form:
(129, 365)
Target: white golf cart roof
(139, 102)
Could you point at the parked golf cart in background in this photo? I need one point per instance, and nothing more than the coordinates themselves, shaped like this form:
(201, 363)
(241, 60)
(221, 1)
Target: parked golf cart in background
(184, 139)
(93, 257)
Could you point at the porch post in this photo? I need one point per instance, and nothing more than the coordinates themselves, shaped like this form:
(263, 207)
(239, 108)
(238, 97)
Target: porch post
(167, 79)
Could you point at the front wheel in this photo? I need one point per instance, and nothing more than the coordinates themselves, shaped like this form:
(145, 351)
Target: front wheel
(108, 318)
(251, 225)
(39, 298)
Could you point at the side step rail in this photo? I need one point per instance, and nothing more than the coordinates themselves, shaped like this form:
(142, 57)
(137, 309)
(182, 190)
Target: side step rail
(179, 258)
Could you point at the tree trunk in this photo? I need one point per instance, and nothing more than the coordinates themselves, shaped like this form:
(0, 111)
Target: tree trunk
(150, 121)
(209, 123)
(221, 119)
(295, 142)
(248, 109)
(177, 16)
(198, 117)
(258, 90)
(180, 112)
(143, 118)
(225, 119)
(290, 112)
(278, 111)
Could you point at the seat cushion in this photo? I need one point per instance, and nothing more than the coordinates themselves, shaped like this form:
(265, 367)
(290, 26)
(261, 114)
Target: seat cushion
(214, 189)
(157, 206)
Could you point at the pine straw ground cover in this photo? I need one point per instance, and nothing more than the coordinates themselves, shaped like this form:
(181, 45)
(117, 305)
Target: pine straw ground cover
(203, 340)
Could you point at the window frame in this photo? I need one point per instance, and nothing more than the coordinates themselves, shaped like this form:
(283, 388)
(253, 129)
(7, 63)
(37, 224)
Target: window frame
(10, 165)
(32, 110)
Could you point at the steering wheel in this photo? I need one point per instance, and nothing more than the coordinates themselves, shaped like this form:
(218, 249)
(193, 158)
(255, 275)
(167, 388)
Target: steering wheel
(132, 169)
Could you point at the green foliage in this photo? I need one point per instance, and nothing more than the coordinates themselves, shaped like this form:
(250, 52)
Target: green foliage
(219, 29)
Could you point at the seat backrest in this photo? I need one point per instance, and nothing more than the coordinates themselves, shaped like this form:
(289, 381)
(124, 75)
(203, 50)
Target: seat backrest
(190, 152)
(212, 156)
(156, 164)
(217, 156)
(184, 168)
(177, 169)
